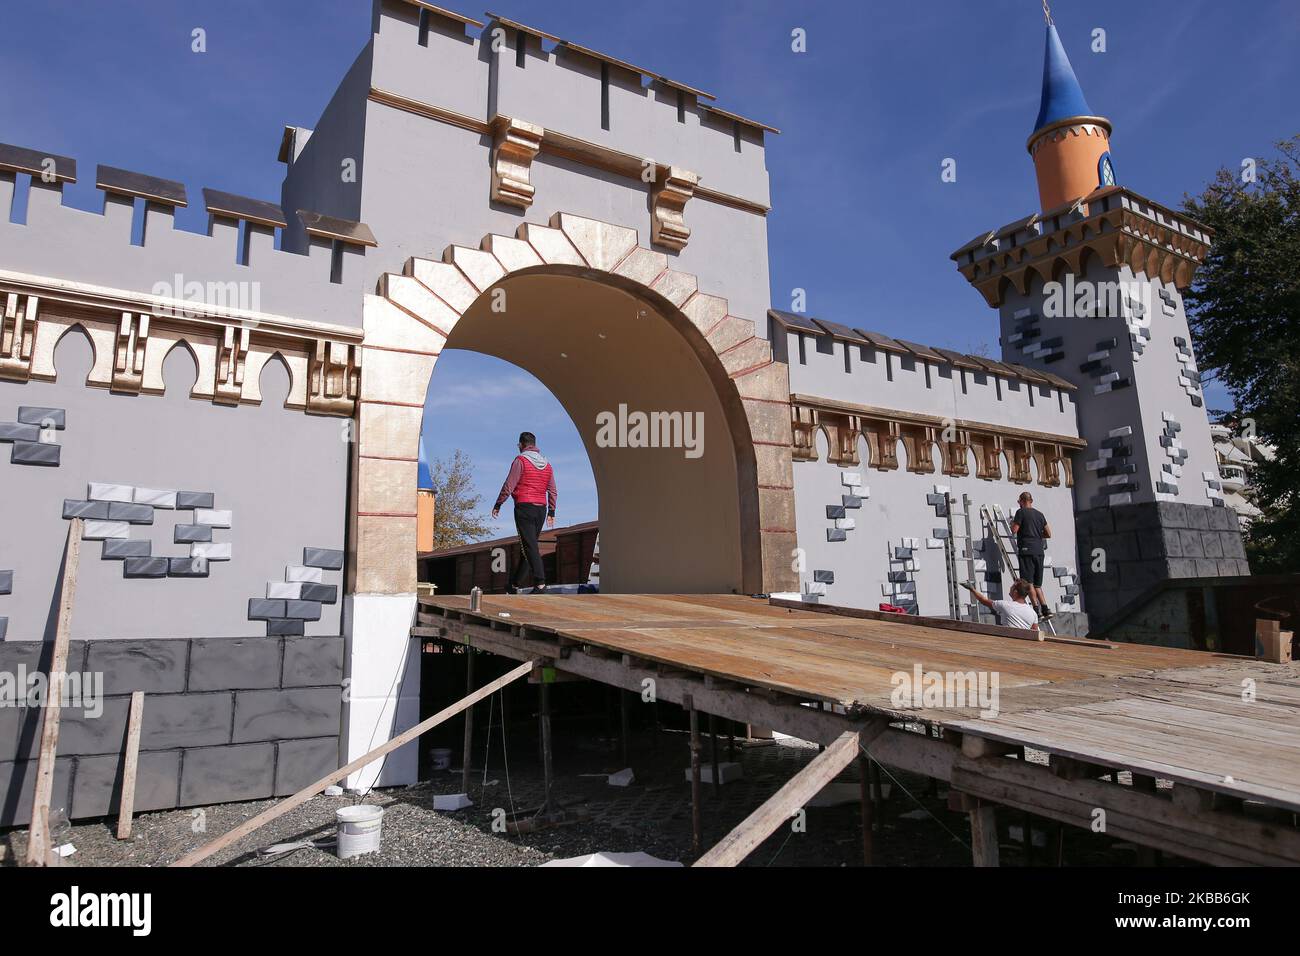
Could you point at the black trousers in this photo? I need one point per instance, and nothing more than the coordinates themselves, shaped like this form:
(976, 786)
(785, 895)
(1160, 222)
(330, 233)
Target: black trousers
(529, 520)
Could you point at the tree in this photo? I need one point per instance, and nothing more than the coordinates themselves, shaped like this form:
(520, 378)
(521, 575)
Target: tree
(1244, 309)
(456, 519)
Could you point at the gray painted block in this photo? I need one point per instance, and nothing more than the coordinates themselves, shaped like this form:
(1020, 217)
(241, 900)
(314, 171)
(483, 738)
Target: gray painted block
(35, 453)
(263, 609)
(55, 418)
(155, 667)
(187, 568)
(186, 720)
(17, 778)
(824, 577)
(316, 661)
(98, 786)
(301, 762)
(836, 534)
(132, 513)
(281, 627)
(72, 508)
(6, 582)
(325, 593)
(302, 610)
(4, 627)
(194, 499)
(82, 732)
(246, 663)
(834, 511)
(189, 533)
(224, 774)
(118, 548)
(144, 567)
(286, 714)
(322, 558)
(13, 431)
(851, 501)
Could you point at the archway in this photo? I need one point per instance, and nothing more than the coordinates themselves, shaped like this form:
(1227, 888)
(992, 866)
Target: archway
(541, 299)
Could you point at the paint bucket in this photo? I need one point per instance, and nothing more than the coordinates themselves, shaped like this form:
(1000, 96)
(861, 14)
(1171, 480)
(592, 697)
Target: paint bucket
(360, 828)
(441, 757)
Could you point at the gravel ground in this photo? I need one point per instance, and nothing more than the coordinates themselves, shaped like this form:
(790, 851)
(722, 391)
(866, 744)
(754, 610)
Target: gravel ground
(652, 815)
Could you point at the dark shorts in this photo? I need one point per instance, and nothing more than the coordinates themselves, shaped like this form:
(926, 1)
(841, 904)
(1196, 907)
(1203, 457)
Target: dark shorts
(1031, 569)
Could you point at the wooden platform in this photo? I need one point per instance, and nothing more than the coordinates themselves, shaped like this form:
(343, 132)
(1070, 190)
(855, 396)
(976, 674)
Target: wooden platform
(1174, 714)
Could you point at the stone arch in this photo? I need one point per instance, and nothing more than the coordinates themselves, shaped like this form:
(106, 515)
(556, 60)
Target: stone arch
(410, 318)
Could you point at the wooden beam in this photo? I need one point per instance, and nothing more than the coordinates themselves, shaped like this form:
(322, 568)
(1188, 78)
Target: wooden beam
(334, 776)
(984, 835)
(130, 761)
(38, 837)
(779, 807)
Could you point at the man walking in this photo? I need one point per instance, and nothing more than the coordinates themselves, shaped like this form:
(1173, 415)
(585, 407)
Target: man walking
(1013, 613)
(1032, 531)
(531, 482)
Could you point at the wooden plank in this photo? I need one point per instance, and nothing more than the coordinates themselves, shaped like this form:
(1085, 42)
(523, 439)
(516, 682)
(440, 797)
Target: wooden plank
(130, 761)
(334, 776)
(984, 835)
(778, 808)
(38, 839)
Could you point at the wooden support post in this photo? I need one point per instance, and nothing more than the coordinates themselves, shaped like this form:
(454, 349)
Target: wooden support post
(38, 835)
(713, 755)
(334, 776)
(783, 804)
(877, 798)
(623, 723)
(545, 718)
(984, 835)
(130, 761)
(697, 828)
(469, 721)
(864, 797)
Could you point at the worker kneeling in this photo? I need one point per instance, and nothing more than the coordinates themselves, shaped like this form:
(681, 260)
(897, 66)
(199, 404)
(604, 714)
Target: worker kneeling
(1017, 612)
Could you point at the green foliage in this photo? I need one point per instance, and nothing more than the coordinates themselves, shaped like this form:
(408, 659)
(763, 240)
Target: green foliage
(457, 519)
(1244, 308)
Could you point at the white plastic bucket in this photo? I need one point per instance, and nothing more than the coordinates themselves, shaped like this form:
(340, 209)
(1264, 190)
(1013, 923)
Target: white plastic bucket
(441, 757)
(360, 828)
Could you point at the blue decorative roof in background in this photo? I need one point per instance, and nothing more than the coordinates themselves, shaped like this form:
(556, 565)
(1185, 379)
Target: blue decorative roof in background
(1062, 95)
(422, 477)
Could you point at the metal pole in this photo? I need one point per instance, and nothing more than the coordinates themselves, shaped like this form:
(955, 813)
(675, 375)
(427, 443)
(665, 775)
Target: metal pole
(864, 797)
(546, 743)
(713, 755)
(697, 828)
(469, 721)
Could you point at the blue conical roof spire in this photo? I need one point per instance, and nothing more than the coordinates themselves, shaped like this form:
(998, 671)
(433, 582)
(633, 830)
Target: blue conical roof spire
(422, 477)
(1062, 95)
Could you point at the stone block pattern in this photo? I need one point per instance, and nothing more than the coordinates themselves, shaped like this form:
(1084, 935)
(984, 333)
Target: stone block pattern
(1146, 543)
(31, 437)
(224, 719)
(291, 603)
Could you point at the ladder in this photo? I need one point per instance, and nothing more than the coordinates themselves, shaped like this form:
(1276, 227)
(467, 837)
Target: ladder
(952, 556)
(1006, 542)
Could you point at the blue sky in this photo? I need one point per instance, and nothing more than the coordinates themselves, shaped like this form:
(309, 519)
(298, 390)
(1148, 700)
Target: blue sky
(885, 92)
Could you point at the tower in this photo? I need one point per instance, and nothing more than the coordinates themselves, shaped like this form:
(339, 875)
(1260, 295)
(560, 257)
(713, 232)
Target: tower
(1089, 288)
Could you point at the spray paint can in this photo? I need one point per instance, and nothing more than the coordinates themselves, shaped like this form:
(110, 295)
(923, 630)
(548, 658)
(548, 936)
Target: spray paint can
(475, 598)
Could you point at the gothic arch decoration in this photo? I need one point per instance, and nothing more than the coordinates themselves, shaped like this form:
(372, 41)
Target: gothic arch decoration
(409, 319)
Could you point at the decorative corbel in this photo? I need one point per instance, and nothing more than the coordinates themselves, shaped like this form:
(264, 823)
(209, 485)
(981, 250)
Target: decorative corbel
(672, 187)
(128, 353)
(1018, 455)
(918, 441)
(514, 145)
(231, 356)
(988, 455)
(953, 454)
(803, 431)
(17, 336)
(882, 442)
(333, 378)
(844, 433)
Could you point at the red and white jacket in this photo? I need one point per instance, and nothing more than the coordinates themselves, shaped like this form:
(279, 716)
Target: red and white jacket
(531, 481)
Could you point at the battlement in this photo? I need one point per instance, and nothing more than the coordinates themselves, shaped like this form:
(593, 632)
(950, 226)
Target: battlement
(132, 243)
(593, 106)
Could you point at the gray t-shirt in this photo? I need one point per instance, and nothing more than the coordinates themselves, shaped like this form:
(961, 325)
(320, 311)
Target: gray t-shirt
(1029, 539)
(1015, 614)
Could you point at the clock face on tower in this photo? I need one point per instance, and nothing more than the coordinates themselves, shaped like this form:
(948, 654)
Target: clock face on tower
(1106, 170)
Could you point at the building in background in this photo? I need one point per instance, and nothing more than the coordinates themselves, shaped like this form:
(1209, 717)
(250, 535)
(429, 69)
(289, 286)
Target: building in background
(1238, 455)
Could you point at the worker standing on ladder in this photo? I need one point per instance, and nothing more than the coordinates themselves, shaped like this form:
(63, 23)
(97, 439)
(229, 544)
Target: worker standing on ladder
(531, 482)
(1031, 529)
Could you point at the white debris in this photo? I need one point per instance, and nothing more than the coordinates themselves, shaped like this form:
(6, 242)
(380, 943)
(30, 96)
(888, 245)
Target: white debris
(613, 859)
